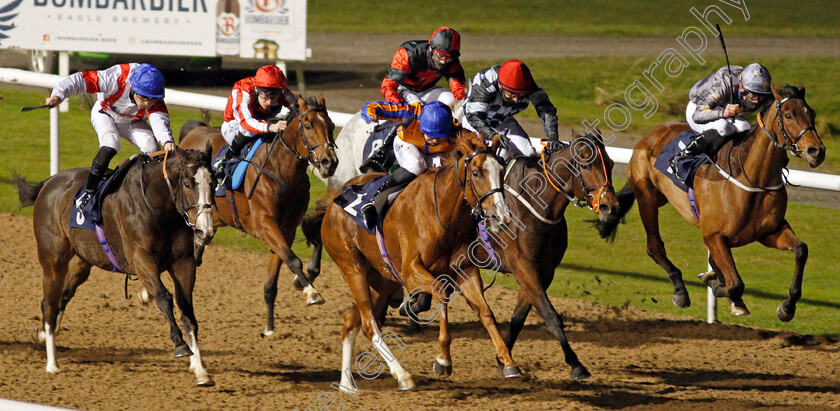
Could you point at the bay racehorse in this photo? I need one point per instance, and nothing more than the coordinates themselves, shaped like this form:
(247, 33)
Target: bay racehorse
(533, 244)
(159, 218)
(423, 228)
(276, 190)
(750, 206)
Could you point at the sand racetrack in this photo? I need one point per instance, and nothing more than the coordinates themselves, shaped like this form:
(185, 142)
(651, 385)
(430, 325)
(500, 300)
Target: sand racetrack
(116, 354)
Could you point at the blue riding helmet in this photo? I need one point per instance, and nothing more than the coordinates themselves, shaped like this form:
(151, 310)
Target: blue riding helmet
(436, 120)
(756, 78)
(146, 80)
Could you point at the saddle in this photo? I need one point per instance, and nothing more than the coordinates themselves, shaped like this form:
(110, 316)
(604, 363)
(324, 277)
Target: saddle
(353, 197)
(235, 169)
(687, 167)
(91, 213)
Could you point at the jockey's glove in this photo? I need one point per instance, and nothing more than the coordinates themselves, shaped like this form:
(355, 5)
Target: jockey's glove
(552, 146)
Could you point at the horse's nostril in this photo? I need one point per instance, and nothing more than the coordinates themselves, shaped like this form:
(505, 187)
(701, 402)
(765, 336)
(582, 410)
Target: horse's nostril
(199, 234)
(813, 151)
(604, 209)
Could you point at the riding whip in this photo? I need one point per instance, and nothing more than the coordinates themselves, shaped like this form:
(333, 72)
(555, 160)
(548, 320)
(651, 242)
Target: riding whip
(25, 109)
(723, 44)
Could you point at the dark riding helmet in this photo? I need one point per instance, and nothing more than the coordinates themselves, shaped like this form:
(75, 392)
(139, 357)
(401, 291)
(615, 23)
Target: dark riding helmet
(446, 41)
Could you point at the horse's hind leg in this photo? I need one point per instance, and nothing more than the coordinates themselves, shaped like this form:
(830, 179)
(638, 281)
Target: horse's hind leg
(734, 287)
(183, 276)
(786, 239)
(270, 292)
(77, 273)
(649, 203)
(55, 271)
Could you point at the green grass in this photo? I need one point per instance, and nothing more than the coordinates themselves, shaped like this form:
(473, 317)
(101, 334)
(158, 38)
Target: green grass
(571, 17)
(626, 273)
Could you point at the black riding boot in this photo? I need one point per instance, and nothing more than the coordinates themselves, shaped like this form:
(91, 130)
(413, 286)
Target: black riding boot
(234, 151)
(97, 170)
(708, 142)
(371, 211)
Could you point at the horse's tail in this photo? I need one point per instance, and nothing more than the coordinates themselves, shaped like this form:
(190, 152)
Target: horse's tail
(189, 126)
(311, 224)
(626, 198)
(27, 193)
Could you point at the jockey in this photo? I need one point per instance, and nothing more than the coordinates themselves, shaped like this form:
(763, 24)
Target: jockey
(717, 102)
(252, 103)
(426, 134)
(499, 92)
(418, 65)
(129, 104)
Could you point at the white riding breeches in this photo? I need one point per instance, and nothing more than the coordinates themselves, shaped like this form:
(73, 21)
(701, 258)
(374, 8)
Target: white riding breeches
(110, 130)
(724, 126)
(413, 159)
(517, 136)
(435, 93)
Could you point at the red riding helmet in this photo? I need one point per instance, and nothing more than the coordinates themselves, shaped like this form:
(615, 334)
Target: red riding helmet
(514, 76)
(270, 77)
(446, 41)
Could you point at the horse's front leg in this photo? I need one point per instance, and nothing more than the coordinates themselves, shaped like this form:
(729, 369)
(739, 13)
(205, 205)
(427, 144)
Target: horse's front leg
(150, 276)
(276, 240)
(786, 239)
(721, 254)
(443, 362)
(270, 292)
(183, 276)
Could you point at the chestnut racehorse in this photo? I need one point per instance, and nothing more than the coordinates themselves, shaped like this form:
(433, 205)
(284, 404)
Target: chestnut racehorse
(425, 225)
(280, 187)
(157, 219)
(749, 207)
(533, 245)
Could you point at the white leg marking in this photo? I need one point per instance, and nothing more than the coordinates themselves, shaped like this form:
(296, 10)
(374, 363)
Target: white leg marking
(196, 364)
(52, 366)
(348, 384)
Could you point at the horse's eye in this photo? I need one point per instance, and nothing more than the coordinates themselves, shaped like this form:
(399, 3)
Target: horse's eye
(585, 166)
(475, 173)
(187, 184)
(788, 116)
(307, 126)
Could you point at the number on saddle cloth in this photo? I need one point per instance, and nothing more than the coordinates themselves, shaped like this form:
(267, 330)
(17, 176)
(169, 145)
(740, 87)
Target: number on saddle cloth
(92, 211)
(686, 167)
(353, 197)
(235, 170)
(378, 152)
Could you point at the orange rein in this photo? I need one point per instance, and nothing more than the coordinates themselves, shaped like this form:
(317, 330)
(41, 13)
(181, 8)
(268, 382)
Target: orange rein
(597, 197)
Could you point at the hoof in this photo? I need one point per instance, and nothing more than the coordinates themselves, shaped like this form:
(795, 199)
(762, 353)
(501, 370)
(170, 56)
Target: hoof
(785, 315)
(580, 372)
(53, 369)
(739, 309)
(512, 372)
(143, 297)
(682, 300)
(204, 381)
(183, 351)
(406, 384)
(38, 336)
(267, 333)
(441, 370)
(315, 299)
(706, 277)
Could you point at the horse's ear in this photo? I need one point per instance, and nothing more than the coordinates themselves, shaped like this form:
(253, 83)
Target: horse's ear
(179, 151)
(801, 88)
(322, 102)
(574, 134)
(302, 104)
(777, 91)
(208, 150)
(494, 145)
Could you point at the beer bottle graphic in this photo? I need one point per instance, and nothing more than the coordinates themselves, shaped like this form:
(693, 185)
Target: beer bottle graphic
(227, 27)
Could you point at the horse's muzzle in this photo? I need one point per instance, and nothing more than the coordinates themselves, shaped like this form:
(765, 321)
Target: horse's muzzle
(327, 166)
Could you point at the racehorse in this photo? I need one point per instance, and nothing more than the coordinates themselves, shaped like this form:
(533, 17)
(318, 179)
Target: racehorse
(424, 226)
(533, 245)
(351, 142)
(159, 218)
(750, 206)
(276, 191)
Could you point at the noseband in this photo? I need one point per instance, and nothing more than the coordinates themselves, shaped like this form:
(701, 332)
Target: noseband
(789, 144)
(593, 200)
(311, 156)
(181, 203)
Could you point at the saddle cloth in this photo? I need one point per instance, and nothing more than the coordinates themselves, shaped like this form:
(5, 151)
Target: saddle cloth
(353, 197)
(235, 169)
(91, 213)
(685, 167)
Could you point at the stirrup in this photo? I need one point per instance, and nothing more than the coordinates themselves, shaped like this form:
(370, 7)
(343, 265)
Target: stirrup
(83, 199)
(369, 215)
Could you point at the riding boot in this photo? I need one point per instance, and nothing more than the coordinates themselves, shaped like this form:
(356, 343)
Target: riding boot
(701, 144)
(234, 151)
(97, 170)
(371, 211)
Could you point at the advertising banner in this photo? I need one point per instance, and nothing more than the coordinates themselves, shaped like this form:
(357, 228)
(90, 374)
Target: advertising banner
(272, 29)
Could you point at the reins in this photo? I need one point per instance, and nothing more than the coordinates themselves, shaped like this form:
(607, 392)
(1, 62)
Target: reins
(593, 201)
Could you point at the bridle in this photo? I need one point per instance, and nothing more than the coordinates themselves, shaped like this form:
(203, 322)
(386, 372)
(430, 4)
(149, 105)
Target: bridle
(311, 156)
(789, 144)
(181, 203)
(477, 209)
(593, 195)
